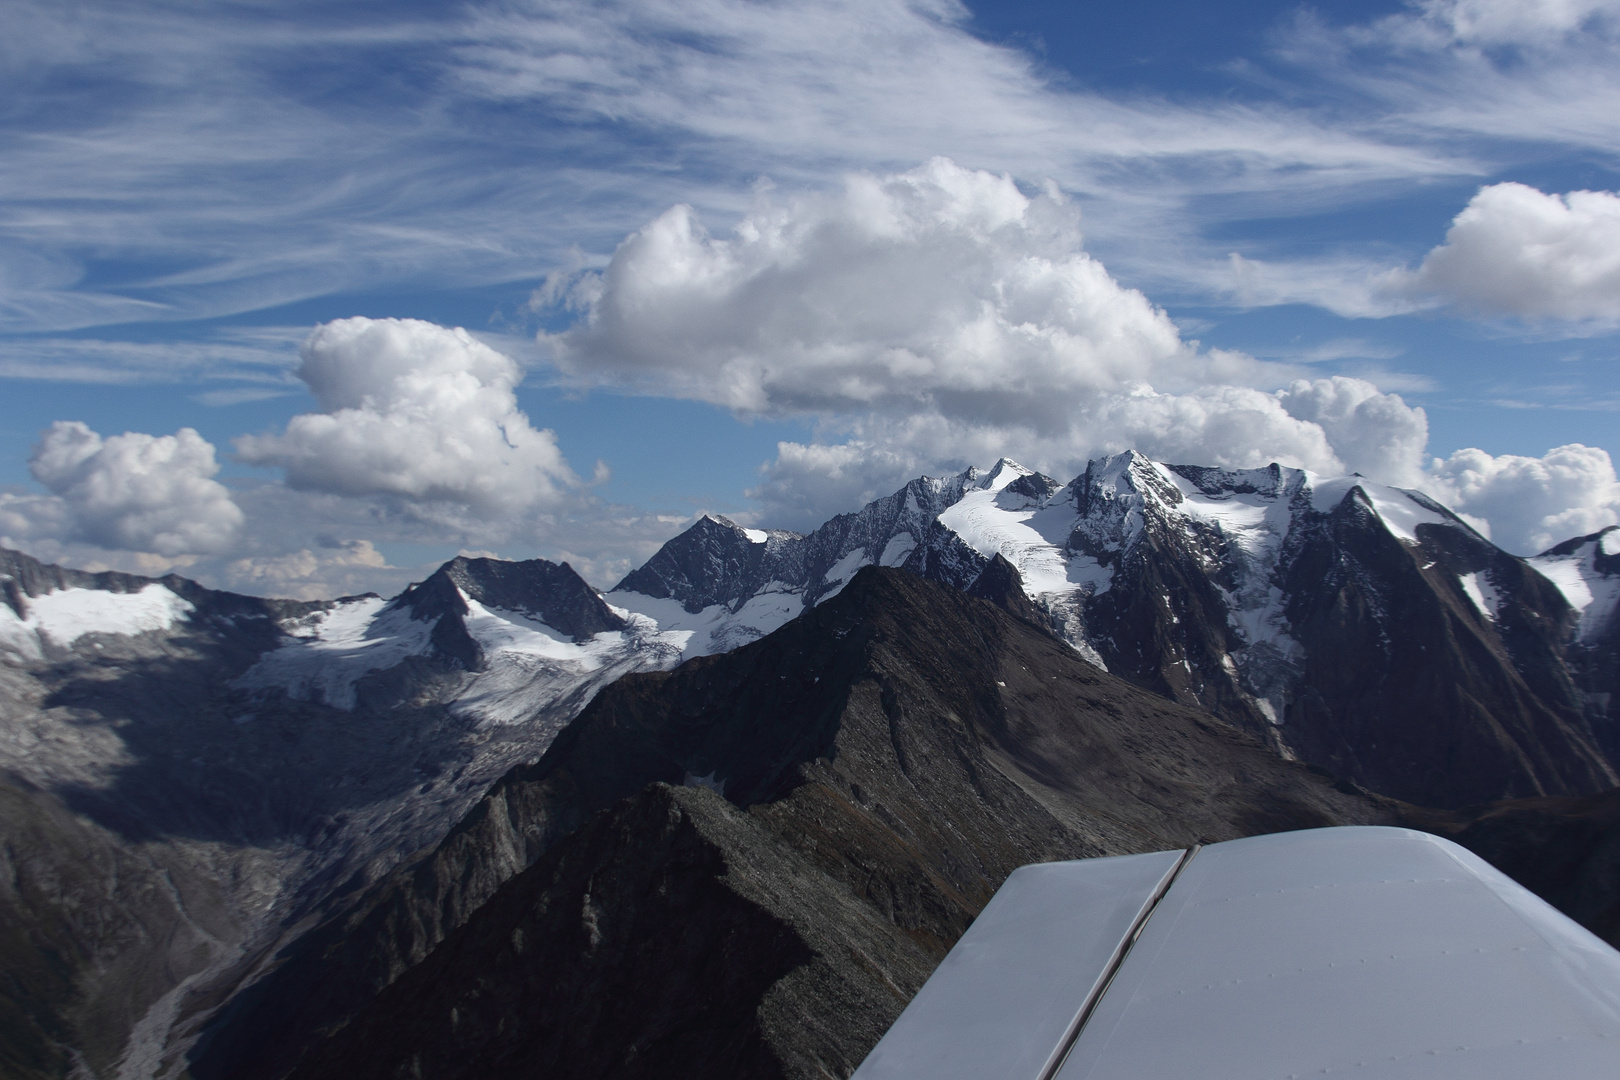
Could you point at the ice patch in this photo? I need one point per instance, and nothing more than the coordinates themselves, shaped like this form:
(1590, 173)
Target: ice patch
(332, 650)
(64, 616)
(756, 536)
(1030, 539)
(531, 671)
(840, 572)
(499, 631)
(1091, 576)
(1003, 473)
(1254, 524)
(17, 635)
(716, 628)
(1395, 507)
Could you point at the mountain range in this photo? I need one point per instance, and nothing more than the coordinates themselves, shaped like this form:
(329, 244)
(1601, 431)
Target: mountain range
(248, 837)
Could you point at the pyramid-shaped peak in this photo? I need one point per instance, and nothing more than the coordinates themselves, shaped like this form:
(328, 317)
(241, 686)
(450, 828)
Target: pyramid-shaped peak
(1002, 473)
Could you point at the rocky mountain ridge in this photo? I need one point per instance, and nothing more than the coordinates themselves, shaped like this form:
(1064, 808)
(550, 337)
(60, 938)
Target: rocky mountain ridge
(229, 772)
(1362, 627)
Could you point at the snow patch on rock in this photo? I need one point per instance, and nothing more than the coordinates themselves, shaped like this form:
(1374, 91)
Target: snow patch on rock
(63, 616)
(1478, 588)
(715, 629)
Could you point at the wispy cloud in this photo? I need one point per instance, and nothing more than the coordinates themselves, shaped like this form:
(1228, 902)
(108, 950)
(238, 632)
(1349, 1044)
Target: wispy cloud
(191, 160)
(262, 356)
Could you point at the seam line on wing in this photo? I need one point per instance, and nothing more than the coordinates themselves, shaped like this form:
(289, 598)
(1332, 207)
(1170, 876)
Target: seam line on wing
(1061, 1053)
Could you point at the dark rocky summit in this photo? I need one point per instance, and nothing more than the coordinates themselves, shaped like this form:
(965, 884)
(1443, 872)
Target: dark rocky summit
(546, 592)
(1593, 653)
(885, 761)
(1374, 663)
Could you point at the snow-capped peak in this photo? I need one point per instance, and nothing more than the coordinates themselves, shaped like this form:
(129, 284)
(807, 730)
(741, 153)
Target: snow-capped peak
(1004, 472)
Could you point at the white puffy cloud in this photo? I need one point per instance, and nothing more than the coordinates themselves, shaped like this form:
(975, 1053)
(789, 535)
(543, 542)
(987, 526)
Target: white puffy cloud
(126, 493)
(1372, 433)
(939, 288)
(416, 411)
(1531, 503)
(329, 570)
(1517, 251)
(938, 317)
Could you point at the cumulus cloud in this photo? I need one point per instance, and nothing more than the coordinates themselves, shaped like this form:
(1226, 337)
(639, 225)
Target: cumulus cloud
(1517, 251)
(332, 569)
(1372, 433)
(416, 411)
(941, 316)
(131, 492)
(942, 287)
(1531, 503)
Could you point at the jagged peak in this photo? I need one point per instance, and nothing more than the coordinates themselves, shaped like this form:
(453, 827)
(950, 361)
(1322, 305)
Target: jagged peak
(1005, 471)
(553, 593)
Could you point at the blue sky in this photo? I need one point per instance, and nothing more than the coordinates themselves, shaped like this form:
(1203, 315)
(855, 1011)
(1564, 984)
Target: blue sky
(914, 236)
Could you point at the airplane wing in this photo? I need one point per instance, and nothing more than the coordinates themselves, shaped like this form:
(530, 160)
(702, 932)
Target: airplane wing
(1363, 952)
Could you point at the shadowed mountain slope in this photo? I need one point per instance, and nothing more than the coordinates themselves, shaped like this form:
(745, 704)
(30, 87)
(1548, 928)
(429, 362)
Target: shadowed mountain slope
(893, 754)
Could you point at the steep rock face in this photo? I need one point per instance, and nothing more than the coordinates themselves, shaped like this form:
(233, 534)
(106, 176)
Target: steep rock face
(1411, 688)
(1363, 628)
(910, 743)
(722, 585)
(93, 932)
(669, 937)
(717, 562)
(545, 592)
(535, 590)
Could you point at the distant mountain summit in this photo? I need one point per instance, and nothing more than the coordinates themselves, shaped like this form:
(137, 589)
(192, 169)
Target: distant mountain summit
(1362, 627)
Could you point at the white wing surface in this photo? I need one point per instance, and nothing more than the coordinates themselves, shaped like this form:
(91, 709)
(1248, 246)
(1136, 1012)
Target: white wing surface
(1368, 952)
